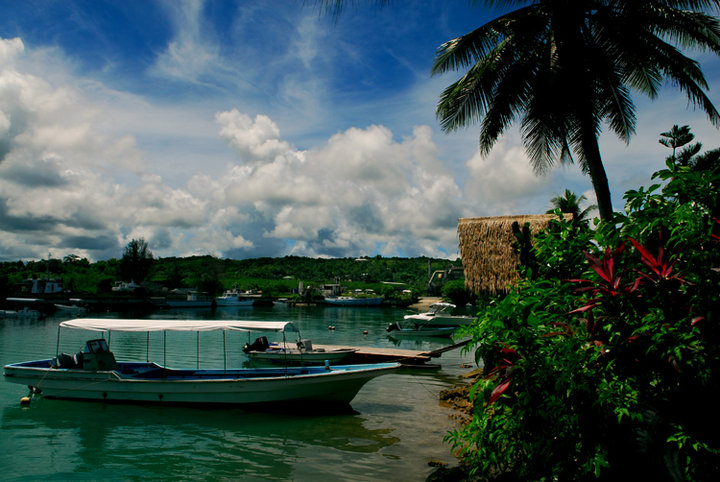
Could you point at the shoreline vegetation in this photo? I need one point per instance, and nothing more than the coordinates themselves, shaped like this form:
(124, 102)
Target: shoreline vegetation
(138, 281)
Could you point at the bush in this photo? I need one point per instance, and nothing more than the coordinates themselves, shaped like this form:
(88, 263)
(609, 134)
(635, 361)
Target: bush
(604, 363)
(456, 292)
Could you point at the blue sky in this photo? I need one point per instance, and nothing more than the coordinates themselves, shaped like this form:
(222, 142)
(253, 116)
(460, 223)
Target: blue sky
(261, 128)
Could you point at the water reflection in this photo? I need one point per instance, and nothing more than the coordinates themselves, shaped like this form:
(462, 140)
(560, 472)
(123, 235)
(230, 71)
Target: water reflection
(156, 441)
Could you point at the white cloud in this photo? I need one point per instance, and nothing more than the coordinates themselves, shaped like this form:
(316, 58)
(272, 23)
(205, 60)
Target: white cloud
(188, 57)
(254, 140)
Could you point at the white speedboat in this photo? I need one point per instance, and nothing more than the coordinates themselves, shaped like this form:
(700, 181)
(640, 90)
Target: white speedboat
(234, 298)
(440, 314)
(409, 329)
(95, 374)
(302, 353)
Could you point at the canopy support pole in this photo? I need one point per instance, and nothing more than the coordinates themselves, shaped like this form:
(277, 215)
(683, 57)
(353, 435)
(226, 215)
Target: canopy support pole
(224, 354)
(164, 349)
(197, 350)
(57, 346)
(147, 347)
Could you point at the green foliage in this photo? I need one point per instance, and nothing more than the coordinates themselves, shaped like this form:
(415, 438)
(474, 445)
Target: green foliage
(604, 362)
(456, 292)
(272, 276)
(136, 261)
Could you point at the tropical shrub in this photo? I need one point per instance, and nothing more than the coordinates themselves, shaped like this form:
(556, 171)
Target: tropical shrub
(604, 362)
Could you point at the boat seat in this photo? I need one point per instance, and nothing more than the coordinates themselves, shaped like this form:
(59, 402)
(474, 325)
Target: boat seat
(66, 361)
(305, 345)
(79, 359)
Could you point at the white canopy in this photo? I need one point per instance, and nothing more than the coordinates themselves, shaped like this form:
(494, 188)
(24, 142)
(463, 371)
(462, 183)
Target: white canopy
(102, 324)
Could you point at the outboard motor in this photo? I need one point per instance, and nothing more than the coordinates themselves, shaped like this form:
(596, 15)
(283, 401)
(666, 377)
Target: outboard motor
(392, 327)
(260, 344)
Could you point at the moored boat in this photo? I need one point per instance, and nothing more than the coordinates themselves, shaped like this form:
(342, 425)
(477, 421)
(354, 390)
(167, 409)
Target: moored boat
(354, 301)
(191, 299)
(440, 314)
(95, 374)
(302, 353)
(409, 329)
(234, 298)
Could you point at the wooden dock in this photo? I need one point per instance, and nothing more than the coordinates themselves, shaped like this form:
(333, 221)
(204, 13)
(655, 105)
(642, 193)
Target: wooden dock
(368, 354)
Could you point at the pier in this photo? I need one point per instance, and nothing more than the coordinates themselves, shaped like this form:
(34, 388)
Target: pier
(413, 358)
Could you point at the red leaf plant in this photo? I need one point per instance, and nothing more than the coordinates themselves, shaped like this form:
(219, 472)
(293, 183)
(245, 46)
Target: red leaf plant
(660, 266)
(610, 284)
(504, 370)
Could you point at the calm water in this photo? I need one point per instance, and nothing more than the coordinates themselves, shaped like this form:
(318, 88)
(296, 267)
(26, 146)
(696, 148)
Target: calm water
(395, 428)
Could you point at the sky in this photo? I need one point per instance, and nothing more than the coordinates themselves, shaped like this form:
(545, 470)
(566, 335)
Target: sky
(252, 128)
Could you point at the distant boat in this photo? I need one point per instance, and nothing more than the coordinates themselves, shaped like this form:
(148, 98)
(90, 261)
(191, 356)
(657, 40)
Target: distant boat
(353, 301)
(94, 373)
(235, 298)
(22, 313)
(440, 314)
(77, 307)
(192, 299)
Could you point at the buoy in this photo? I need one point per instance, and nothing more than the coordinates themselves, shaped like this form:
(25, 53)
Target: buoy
(25, 401)
(365, 332)
(331, 327)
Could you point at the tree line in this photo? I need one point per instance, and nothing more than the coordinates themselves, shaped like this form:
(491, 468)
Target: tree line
(213, 275)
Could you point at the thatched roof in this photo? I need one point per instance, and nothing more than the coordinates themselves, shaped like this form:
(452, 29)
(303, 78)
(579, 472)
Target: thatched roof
(486, 250)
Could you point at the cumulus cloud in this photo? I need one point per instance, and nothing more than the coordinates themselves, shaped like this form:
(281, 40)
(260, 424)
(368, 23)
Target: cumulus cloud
(72, 181)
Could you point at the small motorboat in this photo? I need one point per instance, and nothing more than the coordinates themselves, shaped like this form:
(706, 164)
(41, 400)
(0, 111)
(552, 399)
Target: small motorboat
(409, 329)
(302, 353)
(440, 314)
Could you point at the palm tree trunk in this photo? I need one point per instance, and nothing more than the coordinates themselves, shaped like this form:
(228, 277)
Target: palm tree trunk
(596, 170)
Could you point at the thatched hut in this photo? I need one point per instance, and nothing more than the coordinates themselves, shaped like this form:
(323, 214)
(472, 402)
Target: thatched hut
(486, 249)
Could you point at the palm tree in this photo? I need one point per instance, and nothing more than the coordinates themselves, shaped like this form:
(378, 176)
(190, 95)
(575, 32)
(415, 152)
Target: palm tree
(570, 203)
(565, 67)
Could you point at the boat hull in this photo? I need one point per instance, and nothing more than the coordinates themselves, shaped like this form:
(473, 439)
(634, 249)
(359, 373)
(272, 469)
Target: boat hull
(336, 385)
(224, 302)
(440, 332)
(347, 301)
(297, 357)
(439, 320)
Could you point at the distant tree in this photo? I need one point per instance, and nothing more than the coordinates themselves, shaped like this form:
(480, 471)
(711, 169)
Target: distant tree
(570, 203)
(690, 155)
(136, 261)
(678, 137)
(75, 260)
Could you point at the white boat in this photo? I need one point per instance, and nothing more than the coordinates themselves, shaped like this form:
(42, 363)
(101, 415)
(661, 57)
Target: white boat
(74, 309)
(302, 353)
(94, 374)
(440, 314)
(23, 313)
(234, 298)
(192, 299)
(408, 328)
(353, 301)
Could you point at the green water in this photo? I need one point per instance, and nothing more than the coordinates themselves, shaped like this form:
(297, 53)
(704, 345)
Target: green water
(394, 429)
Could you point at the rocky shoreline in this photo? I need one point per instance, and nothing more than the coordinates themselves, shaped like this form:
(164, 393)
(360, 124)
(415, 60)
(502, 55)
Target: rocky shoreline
(457, 399)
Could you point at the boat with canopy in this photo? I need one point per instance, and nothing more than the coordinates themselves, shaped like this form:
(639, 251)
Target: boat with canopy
(95, 374)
